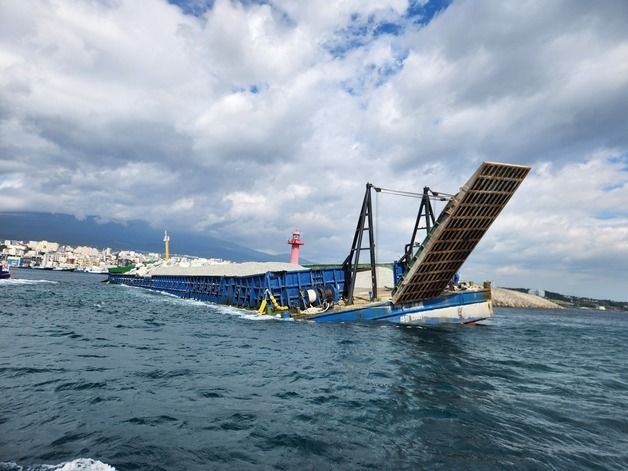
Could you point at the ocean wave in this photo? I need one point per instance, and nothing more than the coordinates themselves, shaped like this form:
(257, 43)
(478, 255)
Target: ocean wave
(80, 464)
(22, 281)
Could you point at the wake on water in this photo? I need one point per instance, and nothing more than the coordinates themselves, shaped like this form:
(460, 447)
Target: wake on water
(230, 310)
(80, 464)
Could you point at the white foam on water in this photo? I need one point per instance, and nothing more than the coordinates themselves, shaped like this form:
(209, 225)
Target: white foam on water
(148, 293)
(223, 309)
(84, 464)
(23, 281)
(79, 464)
(174, 297)
(242, 313)
(167, 297)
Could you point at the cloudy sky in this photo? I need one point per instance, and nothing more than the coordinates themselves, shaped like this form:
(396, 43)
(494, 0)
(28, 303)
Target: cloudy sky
(246, 119)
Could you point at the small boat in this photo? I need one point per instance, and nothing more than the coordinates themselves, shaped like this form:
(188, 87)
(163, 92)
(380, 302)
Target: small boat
(4, 274)
(93, 270)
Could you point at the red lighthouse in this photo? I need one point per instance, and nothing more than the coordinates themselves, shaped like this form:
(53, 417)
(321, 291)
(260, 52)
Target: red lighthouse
(296, 243)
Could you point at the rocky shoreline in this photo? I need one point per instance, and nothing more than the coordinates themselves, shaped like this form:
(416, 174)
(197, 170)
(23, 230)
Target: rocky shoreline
(503, 297)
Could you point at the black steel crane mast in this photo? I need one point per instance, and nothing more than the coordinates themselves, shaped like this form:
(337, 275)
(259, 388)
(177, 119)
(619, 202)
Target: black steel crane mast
(365, 224)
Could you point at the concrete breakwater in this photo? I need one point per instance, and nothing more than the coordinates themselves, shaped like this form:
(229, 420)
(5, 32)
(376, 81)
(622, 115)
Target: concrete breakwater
(503, 297)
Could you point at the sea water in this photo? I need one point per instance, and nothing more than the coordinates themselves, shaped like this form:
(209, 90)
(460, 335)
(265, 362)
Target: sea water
(96, 376)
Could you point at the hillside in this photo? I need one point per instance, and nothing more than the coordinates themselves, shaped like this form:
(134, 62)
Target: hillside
(134, 235)
(586, 303)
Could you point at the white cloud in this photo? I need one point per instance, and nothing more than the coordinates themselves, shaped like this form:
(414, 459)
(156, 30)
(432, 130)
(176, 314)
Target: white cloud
(248, 204)
(243, 123)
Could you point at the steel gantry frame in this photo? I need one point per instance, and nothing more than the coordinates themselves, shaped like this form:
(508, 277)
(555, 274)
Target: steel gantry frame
(365, 224)
(426, 212)
(350, 265)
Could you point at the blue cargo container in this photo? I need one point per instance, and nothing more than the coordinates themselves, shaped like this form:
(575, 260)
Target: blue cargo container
(291, 289)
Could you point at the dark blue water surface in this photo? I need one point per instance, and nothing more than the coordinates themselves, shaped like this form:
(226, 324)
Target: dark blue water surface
(140, 380)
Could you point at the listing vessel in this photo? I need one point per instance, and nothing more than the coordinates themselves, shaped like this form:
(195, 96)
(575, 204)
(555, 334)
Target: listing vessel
(423, 291)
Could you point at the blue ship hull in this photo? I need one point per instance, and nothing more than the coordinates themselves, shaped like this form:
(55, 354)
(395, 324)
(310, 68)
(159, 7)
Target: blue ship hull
(289, 290)
(465, 307)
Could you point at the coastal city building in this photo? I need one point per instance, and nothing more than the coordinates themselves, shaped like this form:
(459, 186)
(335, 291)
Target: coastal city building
(45, 255)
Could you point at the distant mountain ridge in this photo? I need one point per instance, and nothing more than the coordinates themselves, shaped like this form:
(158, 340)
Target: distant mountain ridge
(134, 235)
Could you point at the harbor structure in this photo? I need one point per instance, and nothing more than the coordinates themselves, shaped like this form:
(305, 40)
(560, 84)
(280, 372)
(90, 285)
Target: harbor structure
(295, 243)
(423, 293)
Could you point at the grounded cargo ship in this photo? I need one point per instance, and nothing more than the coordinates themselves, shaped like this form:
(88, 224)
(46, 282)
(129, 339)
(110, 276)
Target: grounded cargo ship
(423, 291)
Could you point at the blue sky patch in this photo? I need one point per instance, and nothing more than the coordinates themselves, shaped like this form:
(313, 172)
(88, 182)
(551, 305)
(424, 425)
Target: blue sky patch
(258, 88)
(620, 159)
(616, 186)
(193, 7)
(417, 12)
(423, 14)
(199, 7)
(606, 215)
(254, 88)
(387, 28)
(361, 30)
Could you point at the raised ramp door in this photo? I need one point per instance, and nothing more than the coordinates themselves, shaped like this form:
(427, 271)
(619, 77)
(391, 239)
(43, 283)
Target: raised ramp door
(459, 228)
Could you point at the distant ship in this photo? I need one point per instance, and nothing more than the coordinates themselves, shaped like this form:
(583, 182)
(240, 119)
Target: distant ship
(93, 270)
